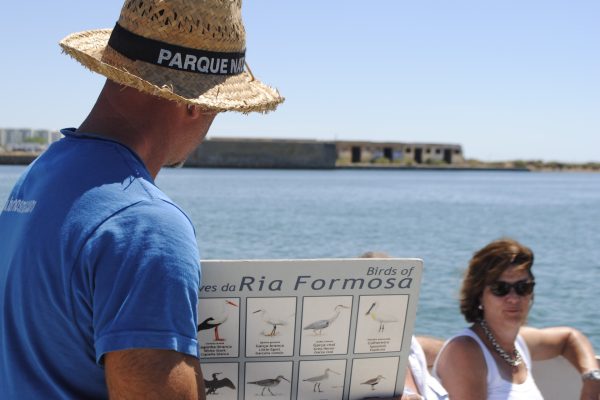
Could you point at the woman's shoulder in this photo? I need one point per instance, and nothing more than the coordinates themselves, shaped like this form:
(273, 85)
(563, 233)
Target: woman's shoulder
(466, 340)
(461, 351)
(461, 367)
(462, 344)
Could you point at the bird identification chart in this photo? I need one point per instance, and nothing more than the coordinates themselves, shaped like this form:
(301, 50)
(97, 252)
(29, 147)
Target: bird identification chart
(327, 329)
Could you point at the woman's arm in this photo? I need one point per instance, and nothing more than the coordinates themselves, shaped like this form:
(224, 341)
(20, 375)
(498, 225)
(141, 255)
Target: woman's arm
(567, 342)
(462, 370)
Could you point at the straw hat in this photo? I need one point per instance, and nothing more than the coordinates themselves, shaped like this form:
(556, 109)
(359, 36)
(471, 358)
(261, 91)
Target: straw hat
(189, 51)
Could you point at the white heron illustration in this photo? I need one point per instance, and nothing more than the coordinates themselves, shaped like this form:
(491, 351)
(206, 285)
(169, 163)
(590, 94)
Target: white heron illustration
(318, 326)
(216, 321)
(373, 381)
(268, 384)
(316, 380)
(274, 321)
(380, 317)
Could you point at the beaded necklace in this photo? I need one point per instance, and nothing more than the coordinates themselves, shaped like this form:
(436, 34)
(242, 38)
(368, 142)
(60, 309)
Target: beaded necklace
(514, 360)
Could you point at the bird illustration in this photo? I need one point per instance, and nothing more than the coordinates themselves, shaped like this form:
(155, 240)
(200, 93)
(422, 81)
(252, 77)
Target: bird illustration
(216, 383)
(379, 317)
(273, 320)
(318, 326)
(373, 381)
(268, 384)
(215, 322)
(318, 379)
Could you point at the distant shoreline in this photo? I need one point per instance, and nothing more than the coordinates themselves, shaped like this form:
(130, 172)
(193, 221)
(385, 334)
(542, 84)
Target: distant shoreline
(17, 158)
(428, 168)
(512, 166)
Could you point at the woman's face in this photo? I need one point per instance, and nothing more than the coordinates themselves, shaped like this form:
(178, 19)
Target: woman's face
(511, 308)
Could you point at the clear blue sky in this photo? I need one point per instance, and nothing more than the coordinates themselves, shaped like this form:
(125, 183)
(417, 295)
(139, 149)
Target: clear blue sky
(506, 79)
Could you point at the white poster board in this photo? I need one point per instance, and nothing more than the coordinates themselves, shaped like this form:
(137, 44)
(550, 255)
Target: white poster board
(325, 329)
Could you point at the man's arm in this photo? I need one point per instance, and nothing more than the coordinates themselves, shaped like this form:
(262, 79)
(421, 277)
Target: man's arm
(153, 374)
(431, 347)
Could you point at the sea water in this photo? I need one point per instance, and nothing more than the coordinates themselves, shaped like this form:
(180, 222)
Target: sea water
(439, 216)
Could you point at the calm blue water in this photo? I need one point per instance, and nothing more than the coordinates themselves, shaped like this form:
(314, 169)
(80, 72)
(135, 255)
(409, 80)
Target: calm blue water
(441, 217)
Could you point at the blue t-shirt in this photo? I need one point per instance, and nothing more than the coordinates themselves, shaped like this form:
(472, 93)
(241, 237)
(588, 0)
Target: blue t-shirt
(93, 258)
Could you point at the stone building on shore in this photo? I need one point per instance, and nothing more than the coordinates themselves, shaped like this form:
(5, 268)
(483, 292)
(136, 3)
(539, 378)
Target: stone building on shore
(280, 153)
(357, 152)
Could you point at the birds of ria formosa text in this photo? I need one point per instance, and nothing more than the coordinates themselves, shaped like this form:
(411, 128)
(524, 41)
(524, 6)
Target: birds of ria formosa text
(268, 384)
(213, 322)
(373, 381)
(274, 321)
(316, 380)
(318, 326)
(380, 317)
(216, 383)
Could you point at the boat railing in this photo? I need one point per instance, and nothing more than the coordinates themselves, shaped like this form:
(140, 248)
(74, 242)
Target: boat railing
(557, 379)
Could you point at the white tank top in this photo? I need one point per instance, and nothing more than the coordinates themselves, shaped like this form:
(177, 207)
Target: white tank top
(498, 388)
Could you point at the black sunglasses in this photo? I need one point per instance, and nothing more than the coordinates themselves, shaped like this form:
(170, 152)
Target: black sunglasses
(522, 288)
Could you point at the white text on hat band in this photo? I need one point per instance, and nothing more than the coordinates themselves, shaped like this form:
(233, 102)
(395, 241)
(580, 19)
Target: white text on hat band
(181, 58)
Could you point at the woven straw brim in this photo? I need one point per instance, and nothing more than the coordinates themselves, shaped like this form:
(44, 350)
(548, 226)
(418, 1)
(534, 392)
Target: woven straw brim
(240, 93)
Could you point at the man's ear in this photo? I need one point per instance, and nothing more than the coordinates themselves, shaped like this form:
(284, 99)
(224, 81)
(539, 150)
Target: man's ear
(196, 112)
(193, 111)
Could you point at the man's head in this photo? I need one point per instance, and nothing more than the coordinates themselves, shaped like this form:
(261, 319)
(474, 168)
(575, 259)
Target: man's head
(191, 52)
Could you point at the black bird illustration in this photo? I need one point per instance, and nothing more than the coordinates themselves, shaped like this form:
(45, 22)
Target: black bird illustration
(216, 383)
(213, 323)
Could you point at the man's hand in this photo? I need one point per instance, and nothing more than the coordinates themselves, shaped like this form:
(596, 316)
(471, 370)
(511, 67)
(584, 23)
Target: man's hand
(153, 374)
(411, 397)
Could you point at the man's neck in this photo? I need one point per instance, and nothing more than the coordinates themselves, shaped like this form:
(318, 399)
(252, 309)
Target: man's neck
(124, 118)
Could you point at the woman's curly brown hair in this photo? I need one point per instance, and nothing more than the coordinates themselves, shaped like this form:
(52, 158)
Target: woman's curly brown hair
(485, 267)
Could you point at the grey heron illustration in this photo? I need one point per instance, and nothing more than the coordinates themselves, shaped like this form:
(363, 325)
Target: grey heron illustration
(274, 321)
(268, 384)
(318, 326)
(216, 383)
(214, 322)
(316, 380)
(373, 381)
(380, 317)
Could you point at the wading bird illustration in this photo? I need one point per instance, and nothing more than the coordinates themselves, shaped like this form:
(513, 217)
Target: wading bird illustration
(274, 321)
(215, 322)
(379, 317)
(268, 384)
(320, 378)
(373, 381)
(318, 326)
(216, 383)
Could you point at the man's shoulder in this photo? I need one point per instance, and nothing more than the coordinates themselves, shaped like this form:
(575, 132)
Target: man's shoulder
(100, 180)
(134, 202)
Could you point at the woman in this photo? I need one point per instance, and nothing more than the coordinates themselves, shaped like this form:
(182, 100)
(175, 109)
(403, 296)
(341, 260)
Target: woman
(492, 359)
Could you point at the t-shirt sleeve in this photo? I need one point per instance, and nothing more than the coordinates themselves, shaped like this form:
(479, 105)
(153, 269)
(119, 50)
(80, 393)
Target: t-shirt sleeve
(144, 272)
